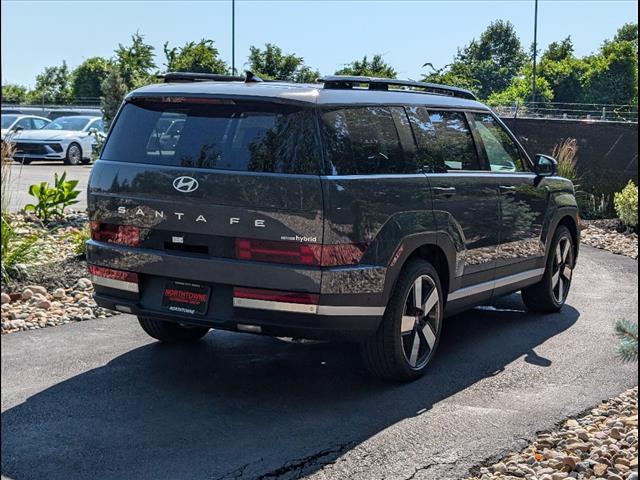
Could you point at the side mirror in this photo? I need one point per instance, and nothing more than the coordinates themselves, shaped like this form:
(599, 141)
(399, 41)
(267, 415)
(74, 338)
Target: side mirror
(545, 166)
(19, 128)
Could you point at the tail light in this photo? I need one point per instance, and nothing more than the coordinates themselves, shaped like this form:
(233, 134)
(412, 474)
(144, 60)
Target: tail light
(119, 234)
(275, 295)
(118, 279)
(299, 253)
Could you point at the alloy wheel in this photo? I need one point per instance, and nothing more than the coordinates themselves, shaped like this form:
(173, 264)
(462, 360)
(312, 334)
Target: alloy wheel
(562, 270)
(74, 154)
(420, 322)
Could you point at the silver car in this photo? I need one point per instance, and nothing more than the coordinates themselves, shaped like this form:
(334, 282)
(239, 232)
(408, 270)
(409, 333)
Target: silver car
(14, 122)
(70, 139)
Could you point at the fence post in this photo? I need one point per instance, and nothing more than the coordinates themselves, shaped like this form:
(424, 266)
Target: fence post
(604, 113)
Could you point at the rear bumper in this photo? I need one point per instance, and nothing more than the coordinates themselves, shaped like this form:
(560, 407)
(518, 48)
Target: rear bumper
(350, 299)
(320, 326)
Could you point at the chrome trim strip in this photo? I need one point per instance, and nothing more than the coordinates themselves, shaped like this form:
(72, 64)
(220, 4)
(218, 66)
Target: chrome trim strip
(350, 310)
(271, 305)
(113, 283)
(328, 310)
(497, 283)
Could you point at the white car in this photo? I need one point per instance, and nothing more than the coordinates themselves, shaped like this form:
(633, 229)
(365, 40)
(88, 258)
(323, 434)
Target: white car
(14, 122)
(70, 139)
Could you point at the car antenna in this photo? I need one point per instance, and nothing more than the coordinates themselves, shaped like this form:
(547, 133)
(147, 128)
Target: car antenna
(252, 77)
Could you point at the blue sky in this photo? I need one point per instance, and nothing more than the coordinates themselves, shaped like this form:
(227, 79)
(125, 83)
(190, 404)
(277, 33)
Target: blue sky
(328, 34)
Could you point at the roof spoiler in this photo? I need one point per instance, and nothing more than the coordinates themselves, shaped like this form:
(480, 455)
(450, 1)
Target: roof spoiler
(345, 82)
(182, 77)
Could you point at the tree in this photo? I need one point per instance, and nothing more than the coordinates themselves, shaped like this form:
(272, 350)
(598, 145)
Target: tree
(612, 76)
(12, 93)
(88, 78)
(558, 51)
(627, 33)
(487, 65)
(199, 57)
(53, 86)
(272, 64)
(520, 91)
(136, 62)
(113, 90)
(374, 68)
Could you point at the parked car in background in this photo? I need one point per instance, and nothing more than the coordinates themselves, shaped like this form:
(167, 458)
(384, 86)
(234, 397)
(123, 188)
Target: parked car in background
(70, 139)
(14, 123)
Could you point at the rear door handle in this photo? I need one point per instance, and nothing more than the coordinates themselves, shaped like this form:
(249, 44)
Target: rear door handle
(507, 189)
(444, 191)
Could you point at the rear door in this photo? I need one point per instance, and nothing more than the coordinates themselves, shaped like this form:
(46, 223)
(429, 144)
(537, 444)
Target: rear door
(523, 200)
(207, 178)
(465, 198)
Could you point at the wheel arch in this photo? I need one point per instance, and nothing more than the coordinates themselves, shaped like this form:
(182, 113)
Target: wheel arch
(569, 218)
(434, 249)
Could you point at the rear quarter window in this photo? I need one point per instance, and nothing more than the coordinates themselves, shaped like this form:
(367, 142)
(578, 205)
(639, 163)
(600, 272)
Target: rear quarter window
(365, 141)
(239, 136)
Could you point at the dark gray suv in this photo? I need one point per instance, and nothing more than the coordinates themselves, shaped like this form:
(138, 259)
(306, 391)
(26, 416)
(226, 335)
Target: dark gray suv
(357, 208)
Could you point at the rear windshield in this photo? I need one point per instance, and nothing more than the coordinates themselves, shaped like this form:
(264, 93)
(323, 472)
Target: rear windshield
(253, 137)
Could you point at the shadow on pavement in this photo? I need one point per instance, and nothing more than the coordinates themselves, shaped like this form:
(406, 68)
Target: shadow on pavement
(239, 406)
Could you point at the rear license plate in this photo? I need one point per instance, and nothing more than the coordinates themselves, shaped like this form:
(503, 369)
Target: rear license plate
(181, 297)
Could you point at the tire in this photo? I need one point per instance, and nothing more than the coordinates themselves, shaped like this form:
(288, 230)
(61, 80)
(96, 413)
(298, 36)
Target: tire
(170, 332)
(86, 161)
(392, 352)
(550, 293)
(74, 154)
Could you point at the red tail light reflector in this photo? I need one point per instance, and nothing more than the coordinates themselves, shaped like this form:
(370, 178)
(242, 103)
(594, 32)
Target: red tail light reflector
(112, 274)
(118, 234)
(299, 253)
(277, 252)
(275, 295)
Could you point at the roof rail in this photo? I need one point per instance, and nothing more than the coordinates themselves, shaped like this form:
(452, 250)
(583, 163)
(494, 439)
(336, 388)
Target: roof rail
(372, 83)
(177, 77)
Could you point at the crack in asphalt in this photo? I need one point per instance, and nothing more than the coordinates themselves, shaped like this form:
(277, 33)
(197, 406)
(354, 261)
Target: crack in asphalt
(297, 465)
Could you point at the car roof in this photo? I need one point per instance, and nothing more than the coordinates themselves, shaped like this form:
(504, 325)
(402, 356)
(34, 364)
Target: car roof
(303, 93)
(85, 117)
(20, 115)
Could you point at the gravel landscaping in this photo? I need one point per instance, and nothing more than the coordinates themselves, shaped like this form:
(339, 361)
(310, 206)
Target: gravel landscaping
(604, 234)
(50, 288)
(601, 444)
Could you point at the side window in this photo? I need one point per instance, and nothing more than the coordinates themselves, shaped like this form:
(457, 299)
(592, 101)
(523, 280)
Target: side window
(98, 125)
(443, 139)
(39, 123)
(502, 153)
(24, 123)
(365, 141)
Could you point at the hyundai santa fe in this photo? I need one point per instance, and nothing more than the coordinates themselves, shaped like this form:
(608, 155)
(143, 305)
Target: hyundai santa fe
(354, 208)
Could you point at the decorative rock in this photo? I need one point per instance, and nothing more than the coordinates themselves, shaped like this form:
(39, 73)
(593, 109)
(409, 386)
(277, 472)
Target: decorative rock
(37, 289)
(59, 293)
(5, 298)
(27, 293)
(44, 304)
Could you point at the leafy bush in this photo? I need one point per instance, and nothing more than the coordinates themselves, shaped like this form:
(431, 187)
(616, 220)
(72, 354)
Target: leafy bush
(593, 207)
(627, 332)
(15, 248)
(53, 200)
(626, 203)
(78, 240)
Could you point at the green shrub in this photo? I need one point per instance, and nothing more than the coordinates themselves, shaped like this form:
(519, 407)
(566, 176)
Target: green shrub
(53, 200)
(15, 248)
(626, 203)
(627, 332)
(79, 240)
(593, 207)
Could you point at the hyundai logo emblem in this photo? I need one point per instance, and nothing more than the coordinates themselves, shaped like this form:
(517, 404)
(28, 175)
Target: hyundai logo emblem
(185, 184)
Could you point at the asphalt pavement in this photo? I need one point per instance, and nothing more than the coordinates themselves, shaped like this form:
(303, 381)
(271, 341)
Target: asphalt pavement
(23, 176)
(100, 400)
